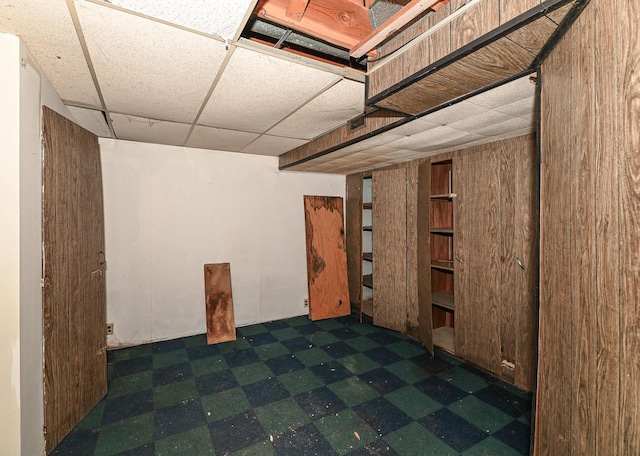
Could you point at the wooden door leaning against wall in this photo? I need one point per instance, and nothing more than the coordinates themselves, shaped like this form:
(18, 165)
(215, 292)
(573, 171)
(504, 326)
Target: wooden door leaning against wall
(74, 300)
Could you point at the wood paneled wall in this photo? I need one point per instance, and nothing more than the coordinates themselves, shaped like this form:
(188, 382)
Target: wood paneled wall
(588, 393)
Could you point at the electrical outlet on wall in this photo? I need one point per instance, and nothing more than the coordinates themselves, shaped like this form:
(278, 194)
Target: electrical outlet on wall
(109, 329)
(305, 301)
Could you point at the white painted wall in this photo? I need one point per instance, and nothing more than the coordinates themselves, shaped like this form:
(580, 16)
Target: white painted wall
(169, 210)
(23, 90)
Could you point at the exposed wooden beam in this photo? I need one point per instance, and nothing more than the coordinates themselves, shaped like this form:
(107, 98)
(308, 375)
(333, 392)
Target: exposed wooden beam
(335, 21)
(395, 23)
(296, 9)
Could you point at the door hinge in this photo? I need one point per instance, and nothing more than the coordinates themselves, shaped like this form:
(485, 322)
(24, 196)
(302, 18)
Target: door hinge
(41, 283)
(44, 430)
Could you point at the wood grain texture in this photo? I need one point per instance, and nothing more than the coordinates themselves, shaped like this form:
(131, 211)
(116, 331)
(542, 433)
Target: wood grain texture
(326, 257)
(481, 19)
(221, 325)
(354, 238)
(510, 9)
(424, 259)
(559, 14)
(74, 307)
(389, 248)
(412, 320)
(534, 35)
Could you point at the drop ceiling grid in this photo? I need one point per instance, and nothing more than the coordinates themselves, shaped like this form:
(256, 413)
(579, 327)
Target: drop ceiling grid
(142, 129)
(219, 138)
(272, 145)
(92, 120)
(257, 91)
(219, 17)
(47, 30)
(332, 108)
(146, 68)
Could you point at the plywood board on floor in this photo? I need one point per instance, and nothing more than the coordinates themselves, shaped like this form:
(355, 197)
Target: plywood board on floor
(221, 325)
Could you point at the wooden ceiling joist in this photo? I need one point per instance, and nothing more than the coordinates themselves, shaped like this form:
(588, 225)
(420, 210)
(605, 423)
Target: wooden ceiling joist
(334, 21)
(394, 24)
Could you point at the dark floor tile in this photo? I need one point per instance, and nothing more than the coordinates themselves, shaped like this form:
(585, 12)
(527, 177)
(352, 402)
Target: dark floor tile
(202, 351)
(383, 356)
(431, 364)
(265, 392)
(348, 320)
(382, 381)
(382, 415)
(242, 357)
(297, 344)
(308, 329)
(236, 432)
(330, 372)
(517, 435)
(147, 449)
(440, 390)
(132, 366)
(339, 350)
(172, 374)
(284, 364)
(216, 382)
(277, 324)
(344, 333)
(125, 435)
(454, 430)
(80, 443)
(480, 373)
(304, 441)
(377, 447)
(384, 337)
(320, 402)
(127, 406)
(504, 400)
(167, 345)
(178, 418)
(261, 339)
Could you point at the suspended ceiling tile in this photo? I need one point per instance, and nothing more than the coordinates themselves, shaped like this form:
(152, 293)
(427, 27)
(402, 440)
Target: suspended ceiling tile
(481, 121)
(272, 145)
(506, 128)
(454, 113)
(47, 30)
(219, 139)
(506, 94)
(147, 68)
(522, 108)
(415, 126)
(140, 129)
(91, 120)
(219, 17)
(428, 138)
(256, 91)
(334, 107)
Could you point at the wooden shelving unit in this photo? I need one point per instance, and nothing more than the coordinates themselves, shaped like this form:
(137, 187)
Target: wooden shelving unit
(442, 255)
(366, 305)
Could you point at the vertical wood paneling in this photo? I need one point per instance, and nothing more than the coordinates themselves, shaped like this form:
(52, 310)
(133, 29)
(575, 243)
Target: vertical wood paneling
(440, 41)
(628, 158)
(461, 220)
(389, 248)
(326, 257)
(354, 238)
(424, 259)
(74, 306)
(481, 19)
(412, 249)
(607, 140)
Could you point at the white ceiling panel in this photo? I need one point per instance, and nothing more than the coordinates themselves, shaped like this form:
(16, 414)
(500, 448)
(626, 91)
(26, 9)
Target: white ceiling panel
(454, 113)
(334, 107)
(523, 108)
(47, 30)
(506, 128)
(147, 68)
(139, 129)
(91, 120)
(481, 121)
(415, 126)
(256, 91)
(272, 145)
(219, 17)
(428, 138)
(503, 95)
(219, 139)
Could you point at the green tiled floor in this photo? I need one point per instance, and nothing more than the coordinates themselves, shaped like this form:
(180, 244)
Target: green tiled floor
(294, 387)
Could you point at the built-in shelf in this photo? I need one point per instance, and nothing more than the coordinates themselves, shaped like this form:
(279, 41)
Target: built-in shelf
(443, 337)
(444, 196)
(442, 299)
(368, 256)
(367, 280)
(445, 231)
(445, 265)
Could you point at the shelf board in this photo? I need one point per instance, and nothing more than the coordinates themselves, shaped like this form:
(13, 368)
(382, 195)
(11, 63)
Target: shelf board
(368, 256)
(367, 205)
(444, 337)
(446, 231)
(367, 280)
(443, 196)
(367, 307)
(445, 265)
(367, 228)
(442, 299)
